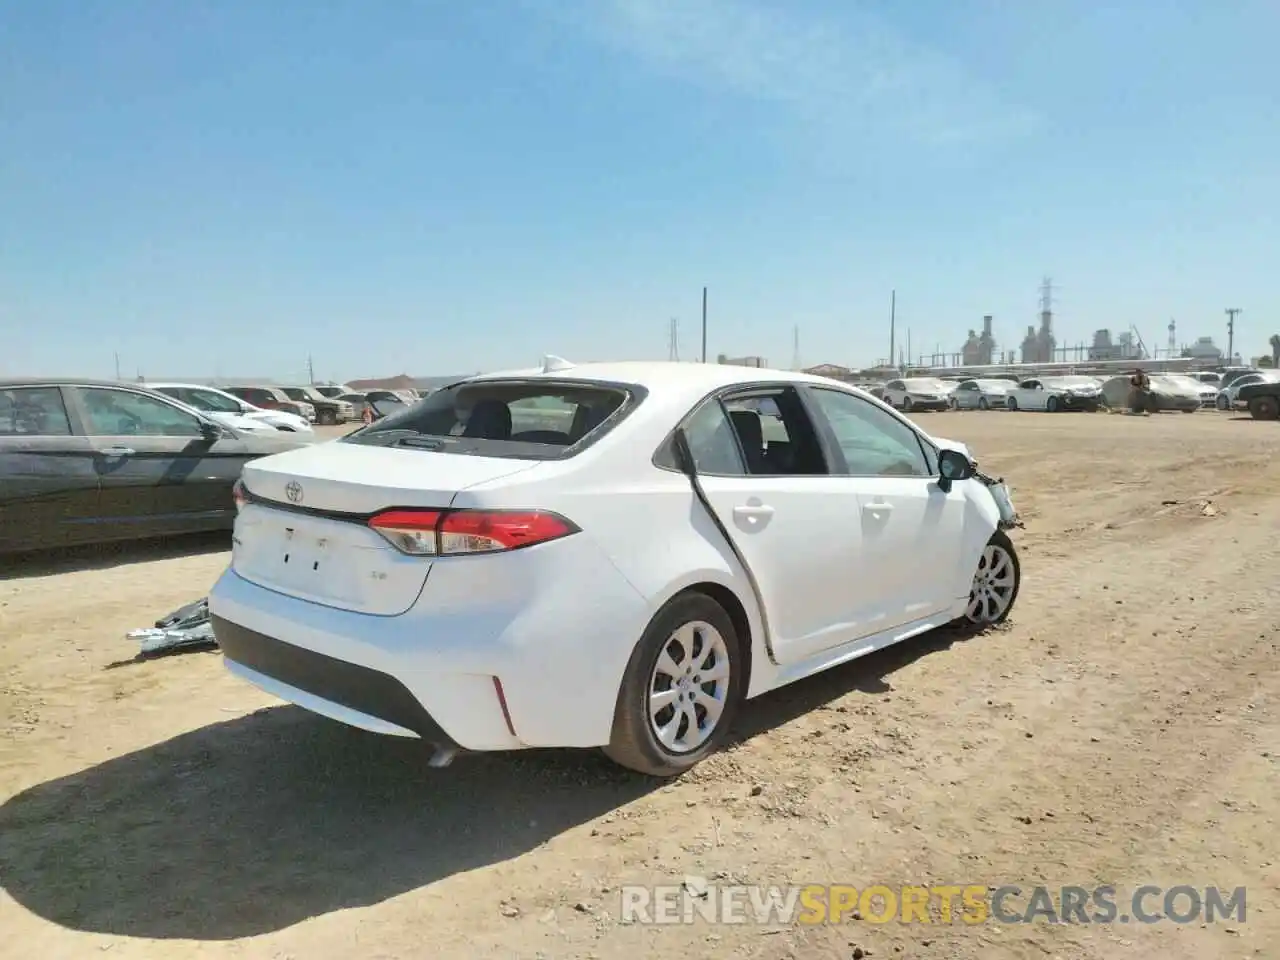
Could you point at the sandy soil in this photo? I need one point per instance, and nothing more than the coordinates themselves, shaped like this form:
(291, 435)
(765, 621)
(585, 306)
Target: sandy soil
(1122, 729)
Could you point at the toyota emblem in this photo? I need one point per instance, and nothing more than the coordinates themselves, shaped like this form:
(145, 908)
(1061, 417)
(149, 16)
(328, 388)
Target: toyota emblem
(293, 490)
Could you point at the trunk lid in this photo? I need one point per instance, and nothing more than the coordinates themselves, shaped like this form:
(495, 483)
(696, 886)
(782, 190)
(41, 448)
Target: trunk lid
(314, 545)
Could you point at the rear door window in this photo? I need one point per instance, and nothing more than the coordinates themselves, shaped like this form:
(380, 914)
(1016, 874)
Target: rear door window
(33, 412)
(524, 419)
(775, 433)
(112, 413)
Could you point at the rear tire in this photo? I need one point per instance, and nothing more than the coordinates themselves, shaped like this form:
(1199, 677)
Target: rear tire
(644, 717)
(906, 405)
(996, 583)
(1051, 405)
(1013, 404)
(1264, 408)
(1222, 403)
(982, 404)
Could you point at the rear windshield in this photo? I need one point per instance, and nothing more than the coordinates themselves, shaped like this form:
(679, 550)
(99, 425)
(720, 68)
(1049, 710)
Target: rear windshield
(521, 419)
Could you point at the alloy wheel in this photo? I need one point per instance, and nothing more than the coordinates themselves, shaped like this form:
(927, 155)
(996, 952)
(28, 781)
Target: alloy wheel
(689, 687)
(994, 585)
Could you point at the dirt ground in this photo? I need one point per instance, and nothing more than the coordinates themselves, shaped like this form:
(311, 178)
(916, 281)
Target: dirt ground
(1122, 729)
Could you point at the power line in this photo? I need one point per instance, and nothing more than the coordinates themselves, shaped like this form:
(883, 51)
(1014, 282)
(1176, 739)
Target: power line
(1232, 312)
(704, 324)
(893, 317)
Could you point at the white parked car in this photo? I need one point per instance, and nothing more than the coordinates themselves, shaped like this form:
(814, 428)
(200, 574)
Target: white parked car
(1207, 392)
(1210, 377)
(231, 410)
(981, 394)
(1056, 393)
(919, 393)
(608, 555)
(1228, 397)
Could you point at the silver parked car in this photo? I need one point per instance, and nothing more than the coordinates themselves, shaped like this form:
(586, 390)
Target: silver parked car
(981, 394)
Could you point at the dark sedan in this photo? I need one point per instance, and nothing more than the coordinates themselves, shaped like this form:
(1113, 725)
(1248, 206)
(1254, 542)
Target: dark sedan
(85, 461)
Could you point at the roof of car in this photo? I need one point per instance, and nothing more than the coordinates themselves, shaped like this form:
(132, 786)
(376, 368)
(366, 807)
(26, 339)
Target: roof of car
(6, 382)
(659, 374)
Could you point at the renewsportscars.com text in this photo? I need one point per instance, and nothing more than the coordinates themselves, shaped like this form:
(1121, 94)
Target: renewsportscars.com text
(697, 901)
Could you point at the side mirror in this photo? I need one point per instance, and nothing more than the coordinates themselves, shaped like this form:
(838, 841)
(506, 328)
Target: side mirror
(952, 466)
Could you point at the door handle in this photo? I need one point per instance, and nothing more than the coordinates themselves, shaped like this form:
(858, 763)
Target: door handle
(118, 452)
(878, 509)
(753, 512)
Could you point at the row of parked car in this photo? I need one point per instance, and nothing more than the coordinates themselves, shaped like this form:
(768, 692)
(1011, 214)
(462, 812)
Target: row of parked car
(1186, 392)
(85, 461)
(292, 409)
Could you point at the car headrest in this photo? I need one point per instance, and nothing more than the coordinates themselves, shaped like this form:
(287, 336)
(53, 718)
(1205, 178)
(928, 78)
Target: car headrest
(489, 420)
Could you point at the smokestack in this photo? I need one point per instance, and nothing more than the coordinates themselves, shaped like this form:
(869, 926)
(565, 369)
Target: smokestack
(986, 326)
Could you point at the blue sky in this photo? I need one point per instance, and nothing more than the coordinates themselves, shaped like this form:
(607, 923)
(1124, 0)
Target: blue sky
(222, 188)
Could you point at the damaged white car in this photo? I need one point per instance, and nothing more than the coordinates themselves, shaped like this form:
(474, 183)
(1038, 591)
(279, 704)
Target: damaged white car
(606, 555)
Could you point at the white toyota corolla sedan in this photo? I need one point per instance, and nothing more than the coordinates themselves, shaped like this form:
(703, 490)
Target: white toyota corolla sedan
(605, 555)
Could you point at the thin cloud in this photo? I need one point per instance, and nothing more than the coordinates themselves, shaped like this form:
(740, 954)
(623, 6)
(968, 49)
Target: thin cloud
(844, 75)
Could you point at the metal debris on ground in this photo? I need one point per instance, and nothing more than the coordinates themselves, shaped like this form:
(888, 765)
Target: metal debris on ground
(187, 628)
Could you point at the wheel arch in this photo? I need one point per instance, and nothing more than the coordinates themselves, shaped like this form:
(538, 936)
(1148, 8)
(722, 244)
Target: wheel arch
(742, 612)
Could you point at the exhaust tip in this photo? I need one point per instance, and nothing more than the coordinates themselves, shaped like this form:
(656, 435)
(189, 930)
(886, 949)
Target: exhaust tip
(442, 757)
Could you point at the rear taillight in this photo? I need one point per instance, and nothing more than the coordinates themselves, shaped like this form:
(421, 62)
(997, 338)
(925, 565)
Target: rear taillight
(447, 533)
(409, 531)
(240, 495)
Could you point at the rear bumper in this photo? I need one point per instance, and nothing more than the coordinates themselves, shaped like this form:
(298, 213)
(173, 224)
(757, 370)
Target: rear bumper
(360, 696)
(556, 647)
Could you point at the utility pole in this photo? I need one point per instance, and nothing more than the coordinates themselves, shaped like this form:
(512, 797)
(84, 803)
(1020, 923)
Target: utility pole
(908, 346)
(673, 340)
(893, 317)
(704, 324)
(1231, 334)
(311, 371)
(117, 364)
(795, 348)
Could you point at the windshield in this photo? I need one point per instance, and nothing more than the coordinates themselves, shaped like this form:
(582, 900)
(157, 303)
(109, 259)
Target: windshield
(522, 419)
(295, 393)
(1073, 381)
(993, 384)
(928, 385)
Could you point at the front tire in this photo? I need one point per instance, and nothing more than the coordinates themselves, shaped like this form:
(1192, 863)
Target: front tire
(907, 405)
(1013, 404)
(1222, 403)
(996, 583)
(982, 404)
(681, 689)
(1052, 405)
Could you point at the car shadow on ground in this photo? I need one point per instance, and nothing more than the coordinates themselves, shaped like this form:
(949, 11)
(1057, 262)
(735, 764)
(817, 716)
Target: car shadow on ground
(45, 563)
(250, 826)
